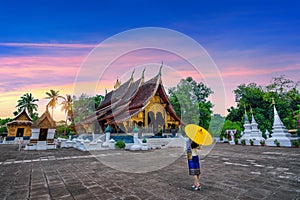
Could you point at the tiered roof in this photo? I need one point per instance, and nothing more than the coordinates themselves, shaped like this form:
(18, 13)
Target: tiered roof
(45, 121)
(22, 118)
(129, 99)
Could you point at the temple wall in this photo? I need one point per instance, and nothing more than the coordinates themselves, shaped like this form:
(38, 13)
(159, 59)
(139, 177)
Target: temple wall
(12, 130)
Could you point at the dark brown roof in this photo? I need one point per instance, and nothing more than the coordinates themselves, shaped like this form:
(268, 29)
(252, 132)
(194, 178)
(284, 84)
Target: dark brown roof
(126, 97)
(146, 91)
(45, 116)
(143, 94)
(19, 120)
(25, 113)
(130, 99)
(115, 95)
(19, 123)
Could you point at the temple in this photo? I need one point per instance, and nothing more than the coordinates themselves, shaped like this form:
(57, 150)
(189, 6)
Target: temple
(140, 103)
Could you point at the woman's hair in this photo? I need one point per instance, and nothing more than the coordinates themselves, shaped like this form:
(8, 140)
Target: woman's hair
(194, 145)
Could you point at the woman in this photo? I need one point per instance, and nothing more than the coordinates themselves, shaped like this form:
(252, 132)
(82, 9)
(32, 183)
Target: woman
(194, 163)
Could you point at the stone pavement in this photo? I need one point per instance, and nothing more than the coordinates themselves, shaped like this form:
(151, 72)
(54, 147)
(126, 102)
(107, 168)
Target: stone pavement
(228, 172)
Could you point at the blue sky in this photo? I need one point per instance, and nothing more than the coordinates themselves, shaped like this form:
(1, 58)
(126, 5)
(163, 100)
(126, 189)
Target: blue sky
(261, 39)
(241, 23)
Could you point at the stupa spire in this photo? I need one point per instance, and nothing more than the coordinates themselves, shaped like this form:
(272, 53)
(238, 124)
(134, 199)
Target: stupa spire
(159, 73)
(143, 75)
(117, 84)
(246, 116)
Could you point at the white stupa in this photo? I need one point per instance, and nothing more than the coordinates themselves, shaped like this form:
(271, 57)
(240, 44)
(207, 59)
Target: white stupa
(280, 133)
(246, 134)
(251, 131)
(256, 134)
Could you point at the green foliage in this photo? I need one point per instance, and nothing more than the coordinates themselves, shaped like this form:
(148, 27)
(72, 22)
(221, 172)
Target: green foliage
(27, 101)
(229, 125)
(264, 135)
(63, 130)
(216, 125)
(238, 135)
(67, 107)
(98, 99)
(144, 140)
(84, 106)
(295, 143)
(189, 100)
(243, 142)
(262, 142)
(3, 123)
(251, 141)
(298, 132)
(120, 144)
(236, 141)
(53, 96)
(259, 98)
(277, 143)
(222, 135)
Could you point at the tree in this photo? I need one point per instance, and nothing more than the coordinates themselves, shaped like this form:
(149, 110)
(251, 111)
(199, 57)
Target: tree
(259, 99)
(98, 99)
(67, 107)
(189, 100)
(54, 97)
(27, 101)
(3, 123)
(230, 125)
(216, 125)
(281, 85)
(85, 106)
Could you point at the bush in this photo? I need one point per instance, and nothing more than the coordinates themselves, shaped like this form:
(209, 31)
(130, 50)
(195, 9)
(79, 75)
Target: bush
(262, 142)
(251, 142)
(295, 143)
(120, 144)
(298, 132)
(236, 141)
(144, 140)
(243, 142)
(222, 136)
(277, 143)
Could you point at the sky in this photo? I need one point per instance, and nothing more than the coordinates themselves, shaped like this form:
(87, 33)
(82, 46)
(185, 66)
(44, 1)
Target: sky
(44, 43)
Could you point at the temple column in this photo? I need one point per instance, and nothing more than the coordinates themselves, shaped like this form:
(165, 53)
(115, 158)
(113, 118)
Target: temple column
(146, 119)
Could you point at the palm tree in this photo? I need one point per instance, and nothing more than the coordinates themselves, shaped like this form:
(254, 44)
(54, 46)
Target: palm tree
(53, 96)
(27, 101)
(67, 105)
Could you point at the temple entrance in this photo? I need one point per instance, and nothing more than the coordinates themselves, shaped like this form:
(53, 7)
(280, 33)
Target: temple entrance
(151, 120)
(20, 132)
(160, 121)
(43, 134)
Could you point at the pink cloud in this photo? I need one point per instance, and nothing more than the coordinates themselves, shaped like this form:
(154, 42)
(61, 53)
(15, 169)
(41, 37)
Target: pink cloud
(29, 73)
(248, 71)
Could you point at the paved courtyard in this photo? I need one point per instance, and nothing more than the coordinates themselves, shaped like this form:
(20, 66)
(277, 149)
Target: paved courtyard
(228, 172)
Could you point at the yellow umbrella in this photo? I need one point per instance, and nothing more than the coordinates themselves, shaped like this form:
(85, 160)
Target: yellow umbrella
(198, 134)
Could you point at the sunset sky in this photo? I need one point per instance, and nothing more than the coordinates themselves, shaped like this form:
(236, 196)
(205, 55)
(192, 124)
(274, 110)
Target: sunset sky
(44, 43)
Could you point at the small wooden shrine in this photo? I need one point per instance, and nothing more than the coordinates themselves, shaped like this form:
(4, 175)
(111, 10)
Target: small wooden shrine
(19, 128)
(43, 131)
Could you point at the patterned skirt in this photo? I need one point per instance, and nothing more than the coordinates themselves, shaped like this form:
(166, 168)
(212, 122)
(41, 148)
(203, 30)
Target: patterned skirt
(194, 166)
